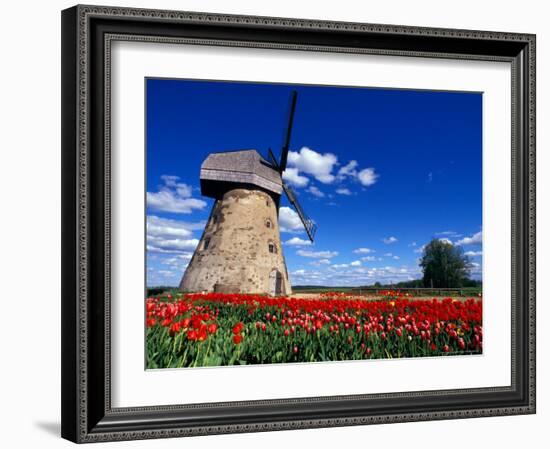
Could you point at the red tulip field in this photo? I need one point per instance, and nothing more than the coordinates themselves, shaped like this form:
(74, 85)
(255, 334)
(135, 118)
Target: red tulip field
(214, 329)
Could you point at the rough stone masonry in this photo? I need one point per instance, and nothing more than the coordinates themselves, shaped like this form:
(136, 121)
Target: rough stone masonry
(240, 250)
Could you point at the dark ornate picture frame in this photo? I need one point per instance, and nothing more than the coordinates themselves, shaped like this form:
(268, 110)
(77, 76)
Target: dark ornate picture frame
(87, 34)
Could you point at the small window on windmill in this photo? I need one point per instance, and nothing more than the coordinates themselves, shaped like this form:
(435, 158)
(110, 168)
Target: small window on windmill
(272, 248)
(206, 244)
(267, 202)
(268, 223)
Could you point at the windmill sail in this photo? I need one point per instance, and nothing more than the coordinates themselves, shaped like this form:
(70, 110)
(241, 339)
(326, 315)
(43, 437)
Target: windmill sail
(308, 223)
(288, 133)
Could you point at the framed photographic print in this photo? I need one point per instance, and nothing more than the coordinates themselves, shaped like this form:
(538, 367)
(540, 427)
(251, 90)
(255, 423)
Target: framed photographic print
(259, 214)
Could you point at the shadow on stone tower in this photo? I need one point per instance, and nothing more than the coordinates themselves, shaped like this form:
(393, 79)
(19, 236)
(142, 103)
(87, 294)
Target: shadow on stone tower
(240, 250)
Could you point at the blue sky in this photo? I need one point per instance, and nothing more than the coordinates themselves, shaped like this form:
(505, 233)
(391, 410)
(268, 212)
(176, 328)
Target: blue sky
(381, 172)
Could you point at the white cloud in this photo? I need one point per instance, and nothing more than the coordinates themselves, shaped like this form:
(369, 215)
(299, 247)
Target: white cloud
(363, 251)
(445, 240)
(170, 180)
(356, 263)
(175, 245)
(473, 253)
(318, 263)
(315, 191)
(184, 190)
(168, 201)
(367, 176)
(473, 240)
(170, 236)
(166, 227)
(476, 270)
(348, 170)
(289, 221)
(392, 256)
(412, 244)
(293, 177)
(297, 241)
(178, 262)
(368, 258)
(317, 254)
(341, 265)
(306, 277)
(177, 259)
(316, 164)
(420, 249)
(389, 240)
(343, 191)
(344, 275)
(448, 233)
(166, 267)
(174, 197)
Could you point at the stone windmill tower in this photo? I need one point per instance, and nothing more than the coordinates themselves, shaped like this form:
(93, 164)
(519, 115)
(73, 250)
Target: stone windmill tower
(240, 250)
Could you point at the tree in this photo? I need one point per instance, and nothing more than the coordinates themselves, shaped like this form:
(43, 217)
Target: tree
(444, 265)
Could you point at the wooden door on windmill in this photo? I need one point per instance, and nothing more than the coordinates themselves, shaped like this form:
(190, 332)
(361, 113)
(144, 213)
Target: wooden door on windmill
(275, 283)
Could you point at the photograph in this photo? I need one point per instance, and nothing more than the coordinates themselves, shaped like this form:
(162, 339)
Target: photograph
(290, 223)
(276, 222)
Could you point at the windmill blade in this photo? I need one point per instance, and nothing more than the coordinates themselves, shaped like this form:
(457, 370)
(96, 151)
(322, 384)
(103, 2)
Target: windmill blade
(308, 223)
(273, 160)
(288, 134)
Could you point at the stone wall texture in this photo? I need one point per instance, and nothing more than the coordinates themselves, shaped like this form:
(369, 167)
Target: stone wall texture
(234, 254)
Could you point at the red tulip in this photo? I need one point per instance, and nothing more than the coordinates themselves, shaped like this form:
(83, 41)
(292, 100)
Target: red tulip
(238, 328)
(237, 339)
(202, 333)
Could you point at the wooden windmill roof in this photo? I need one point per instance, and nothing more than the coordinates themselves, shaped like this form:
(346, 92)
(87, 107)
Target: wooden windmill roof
(241, 167)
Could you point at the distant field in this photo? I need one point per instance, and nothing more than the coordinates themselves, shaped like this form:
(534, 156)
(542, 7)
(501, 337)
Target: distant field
(310, 295)
(416, 292)
(368, 292)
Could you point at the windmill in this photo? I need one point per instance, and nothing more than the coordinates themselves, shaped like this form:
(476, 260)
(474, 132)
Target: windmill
(240, 249)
